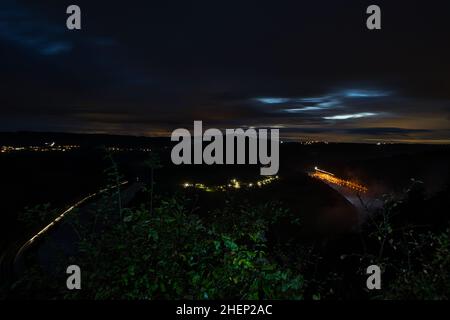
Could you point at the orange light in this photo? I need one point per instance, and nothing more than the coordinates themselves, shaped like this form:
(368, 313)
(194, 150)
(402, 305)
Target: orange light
(330, 178)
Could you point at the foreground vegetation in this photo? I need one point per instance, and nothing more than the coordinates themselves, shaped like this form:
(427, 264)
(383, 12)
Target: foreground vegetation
(163, 249)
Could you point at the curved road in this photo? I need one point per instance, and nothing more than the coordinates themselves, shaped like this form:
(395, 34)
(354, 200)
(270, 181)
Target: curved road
(127, 194)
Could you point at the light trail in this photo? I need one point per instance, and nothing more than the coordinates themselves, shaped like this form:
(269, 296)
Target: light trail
(58, 218)
(323, 171)
(331, 178)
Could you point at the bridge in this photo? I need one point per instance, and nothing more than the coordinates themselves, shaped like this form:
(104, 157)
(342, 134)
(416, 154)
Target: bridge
(331, 178)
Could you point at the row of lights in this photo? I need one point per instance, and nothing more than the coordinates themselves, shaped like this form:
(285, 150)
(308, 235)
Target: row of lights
(61, 148)
(233, 184)
(309, 142)
(331, 178)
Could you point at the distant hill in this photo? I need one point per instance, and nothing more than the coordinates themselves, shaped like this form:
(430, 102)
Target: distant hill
(84, 140)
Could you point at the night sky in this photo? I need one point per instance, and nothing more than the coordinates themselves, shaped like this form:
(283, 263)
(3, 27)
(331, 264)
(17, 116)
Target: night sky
(310, 68)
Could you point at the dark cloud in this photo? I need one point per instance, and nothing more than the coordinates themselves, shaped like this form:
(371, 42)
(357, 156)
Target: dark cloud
(386, 131)
(149, 67)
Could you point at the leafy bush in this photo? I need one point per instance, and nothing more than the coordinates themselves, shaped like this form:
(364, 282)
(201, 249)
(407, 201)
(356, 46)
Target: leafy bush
(243, 251)
(415, 260)
(34, 217)
(174, 254)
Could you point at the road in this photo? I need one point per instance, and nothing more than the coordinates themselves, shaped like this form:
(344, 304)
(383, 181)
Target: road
(62, 233)
(357, 194)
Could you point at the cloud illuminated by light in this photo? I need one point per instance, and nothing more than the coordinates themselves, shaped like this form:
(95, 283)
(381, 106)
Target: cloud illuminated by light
(296, 110)
(351, 116)
(365, 94)
(313, 100)
(273, 100)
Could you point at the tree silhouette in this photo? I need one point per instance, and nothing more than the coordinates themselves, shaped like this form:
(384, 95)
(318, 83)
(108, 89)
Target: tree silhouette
(153, 162)
(114, 178)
